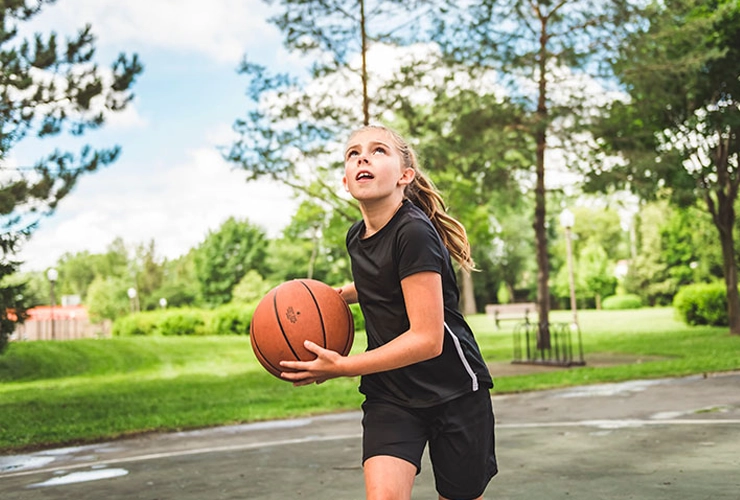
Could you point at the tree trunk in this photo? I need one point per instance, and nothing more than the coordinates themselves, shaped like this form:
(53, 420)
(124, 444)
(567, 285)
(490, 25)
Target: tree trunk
(543, 262)
(467, 295)
(363, 41)
(725, 223)
(540, 218)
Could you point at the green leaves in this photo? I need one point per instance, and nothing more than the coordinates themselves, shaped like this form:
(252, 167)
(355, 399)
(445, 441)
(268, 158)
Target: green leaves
(225, 256)
(46, 89)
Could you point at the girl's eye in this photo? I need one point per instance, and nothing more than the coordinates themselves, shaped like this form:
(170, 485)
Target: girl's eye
(351, 154)
(380, 150)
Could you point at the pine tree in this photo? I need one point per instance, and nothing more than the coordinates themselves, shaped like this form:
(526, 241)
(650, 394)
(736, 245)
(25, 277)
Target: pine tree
(48, 87)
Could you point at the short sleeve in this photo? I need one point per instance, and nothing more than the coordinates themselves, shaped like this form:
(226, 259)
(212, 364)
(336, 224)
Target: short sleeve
(419, 248)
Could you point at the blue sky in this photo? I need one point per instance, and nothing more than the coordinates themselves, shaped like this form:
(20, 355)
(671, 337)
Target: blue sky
(170, 183)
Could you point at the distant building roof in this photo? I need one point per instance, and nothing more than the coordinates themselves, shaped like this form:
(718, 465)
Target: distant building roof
(44, 313)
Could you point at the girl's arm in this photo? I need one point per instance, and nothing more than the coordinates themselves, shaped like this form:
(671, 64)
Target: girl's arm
(423, 340)
(348, 293)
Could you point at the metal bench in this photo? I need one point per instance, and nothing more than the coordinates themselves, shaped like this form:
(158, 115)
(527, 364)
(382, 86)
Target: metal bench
(515, 311)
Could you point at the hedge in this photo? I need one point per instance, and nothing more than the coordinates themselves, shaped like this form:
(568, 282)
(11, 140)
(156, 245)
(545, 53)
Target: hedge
(625, 301)
(702, 304)
(230, 319)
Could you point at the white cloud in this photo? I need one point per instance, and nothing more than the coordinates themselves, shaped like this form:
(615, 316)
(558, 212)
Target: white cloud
(174, 206)
(181, 189)
(219, 29)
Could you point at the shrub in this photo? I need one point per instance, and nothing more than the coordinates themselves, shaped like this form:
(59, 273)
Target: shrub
(142, 323)
(625, 301)
(183, 322)
(231, 319)
(702, 304)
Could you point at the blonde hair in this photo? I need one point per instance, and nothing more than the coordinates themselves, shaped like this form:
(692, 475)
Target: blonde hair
(422, 193)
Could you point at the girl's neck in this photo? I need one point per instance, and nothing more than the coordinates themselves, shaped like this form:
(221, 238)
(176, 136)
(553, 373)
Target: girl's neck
(377, 215)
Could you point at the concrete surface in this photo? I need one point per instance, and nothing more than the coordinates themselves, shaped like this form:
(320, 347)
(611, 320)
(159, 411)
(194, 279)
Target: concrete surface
(676, 439)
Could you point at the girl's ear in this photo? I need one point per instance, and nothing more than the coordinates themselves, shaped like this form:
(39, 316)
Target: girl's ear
(407, 177)
(344, 183)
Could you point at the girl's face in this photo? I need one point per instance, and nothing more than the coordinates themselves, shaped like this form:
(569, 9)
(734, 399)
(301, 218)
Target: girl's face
(373, 167)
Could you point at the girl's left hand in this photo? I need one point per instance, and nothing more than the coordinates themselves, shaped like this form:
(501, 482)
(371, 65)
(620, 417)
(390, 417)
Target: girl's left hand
(321, 369)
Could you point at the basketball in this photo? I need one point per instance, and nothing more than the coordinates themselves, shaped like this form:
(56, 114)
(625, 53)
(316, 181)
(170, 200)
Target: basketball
(296, 311)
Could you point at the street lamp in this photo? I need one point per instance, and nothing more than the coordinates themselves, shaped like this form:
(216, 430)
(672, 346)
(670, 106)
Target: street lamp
(52, 275)
(132, 298)
(567, 220)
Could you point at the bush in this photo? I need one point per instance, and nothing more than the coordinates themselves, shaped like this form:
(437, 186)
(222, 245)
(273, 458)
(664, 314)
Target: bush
(625, 301)
(229, 319)
(232, 319)
(702, 304)
(183, 322)
(143, 323)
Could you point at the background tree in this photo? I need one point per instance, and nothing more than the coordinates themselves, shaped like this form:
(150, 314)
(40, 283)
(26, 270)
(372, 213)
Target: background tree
(598, 242)
(179, 283)
(76, 272)
(679, 129)
(225, 256)
(332, 33)
(48, 87)
(595, 272)
(311, 246)
(251, 288)
(107, 298)
(148, 273)
(675, 246)
(602, 225)
(291, 133)
(534, 44)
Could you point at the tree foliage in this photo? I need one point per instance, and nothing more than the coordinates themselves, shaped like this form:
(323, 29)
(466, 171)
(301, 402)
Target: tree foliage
(225, 256)
(679, 128)
(48, 87)
(537, 47)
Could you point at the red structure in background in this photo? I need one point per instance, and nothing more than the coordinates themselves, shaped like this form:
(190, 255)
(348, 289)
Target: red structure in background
(44, 313)
(69, 322)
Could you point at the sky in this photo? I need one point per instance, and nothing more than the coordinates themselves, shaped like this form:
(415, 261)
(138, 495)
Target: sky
(171, 183)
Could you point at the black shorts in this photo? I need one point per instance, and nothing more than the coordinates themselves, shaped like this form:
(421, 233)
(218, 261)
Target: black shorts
(460, 436)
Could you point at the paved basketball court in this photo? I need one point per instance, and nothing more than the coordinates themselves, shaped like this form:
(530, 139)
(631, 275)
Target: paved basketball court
(676, 439)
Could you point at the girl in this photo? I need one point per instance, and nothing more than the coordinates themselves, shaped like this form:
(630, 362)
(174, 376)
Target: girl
(423, 376)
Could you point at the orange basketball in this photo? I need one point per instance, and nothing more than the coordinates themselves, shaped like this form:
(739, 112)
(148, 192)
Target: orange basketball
(295, 311)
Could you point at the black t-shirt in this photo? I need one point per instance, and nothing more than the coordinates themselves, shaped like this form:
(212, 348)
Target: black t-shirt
(410, 244)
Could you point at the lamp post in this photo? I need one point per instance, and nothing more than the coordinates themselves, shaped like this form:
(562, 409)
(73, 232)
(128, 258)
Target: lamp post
(132, 298)
(567, 220)
(52, 275)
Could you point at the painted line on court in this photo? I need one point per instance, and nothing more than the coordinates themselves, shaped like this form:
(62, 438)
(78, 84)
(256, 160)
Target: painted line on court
(618, 423)
(183, 453)
(604, 424)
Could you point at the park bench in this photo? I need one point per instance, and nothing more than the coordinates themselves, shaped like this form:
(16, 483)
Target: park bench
(515, 311)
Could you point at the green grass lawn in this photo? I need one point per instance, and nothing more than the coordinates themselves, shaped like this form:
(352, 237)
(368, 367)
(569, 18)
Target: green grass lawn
(54, 393)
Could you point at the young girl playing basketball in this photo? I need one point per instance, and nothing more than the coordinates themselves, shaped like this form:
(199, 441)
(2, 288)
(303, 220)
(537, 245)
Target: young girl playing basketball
(423, 376)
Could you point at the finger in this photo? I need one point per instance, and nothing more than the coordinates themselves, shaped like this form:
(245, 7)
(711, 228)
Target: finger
(297, 377)
(298, 366)
(314, 348)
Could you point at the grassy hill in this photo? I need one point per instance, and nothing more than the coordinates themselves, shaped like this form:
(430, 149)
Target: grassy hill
(55, 393)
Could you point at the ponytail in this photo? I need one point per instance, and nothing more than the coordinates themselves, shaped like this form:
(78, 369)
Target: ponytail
(422, 193)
